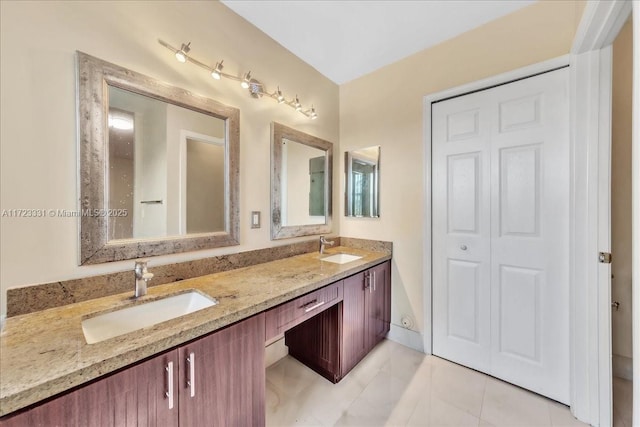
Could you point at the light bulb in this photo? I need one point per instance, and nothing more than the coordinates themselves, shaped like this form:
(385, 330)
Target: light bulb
(216, 72)
(121, 123)
(181, 55)
(313, 115)
(245, 81)
(297, 104)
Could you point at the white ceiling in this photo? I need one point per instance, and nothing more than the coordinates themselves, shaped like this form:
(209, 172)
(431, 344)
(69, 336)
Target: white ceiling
(346, 39)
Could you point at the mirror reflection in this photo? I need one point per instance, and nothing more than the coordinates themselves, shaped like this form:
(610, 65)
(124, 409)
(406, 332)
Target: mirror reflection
(153, 144)
(362, 190)
(303, 179)
(300, 183)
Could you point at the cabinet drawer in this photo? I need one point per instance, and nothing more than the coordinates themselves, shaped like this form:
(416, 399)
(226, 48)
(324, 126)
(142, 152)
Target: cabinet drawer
(285, 316)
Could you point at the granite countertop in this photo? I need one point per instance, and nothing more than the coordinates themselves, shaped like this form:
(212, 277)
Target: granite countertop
(45, 353)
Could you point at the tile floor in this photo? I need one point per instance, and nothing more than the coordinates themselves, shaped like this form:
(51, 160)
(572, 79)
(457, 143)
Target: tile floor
(622, 402)
(397, 386)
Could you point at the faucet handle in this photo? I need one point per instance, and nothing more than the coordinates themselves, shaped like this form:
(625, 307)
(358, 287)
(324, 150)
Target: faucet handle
(325, 241)
(141, 268)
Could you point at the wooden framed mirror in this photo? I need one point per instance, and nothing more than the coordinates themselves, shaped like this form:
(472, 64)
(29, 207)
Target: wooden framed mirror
(301, 179)
(158, 166)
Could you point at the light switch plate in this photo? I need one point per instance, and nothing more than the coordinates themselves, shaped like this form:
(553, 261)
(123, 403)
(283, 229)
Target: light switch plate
(255, 219)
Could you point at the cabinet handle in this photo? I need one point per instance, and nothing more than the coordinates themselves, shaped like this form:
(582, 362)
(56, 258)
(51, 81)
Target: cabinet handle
(367, 280)
(191, 379)
(312, 305)
(169, 393)
(373, 273)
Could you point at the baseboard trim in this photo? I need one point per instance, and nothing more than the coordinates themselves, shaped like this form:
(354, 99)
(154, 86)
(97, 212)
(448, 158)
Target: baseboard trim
(406, 337)
(622, 367)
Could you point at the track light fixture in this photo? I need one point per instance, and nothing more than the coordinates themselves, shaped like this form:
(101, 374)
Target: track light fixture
(217, 72)
(279, 96)
(255, 88)
(181, 55)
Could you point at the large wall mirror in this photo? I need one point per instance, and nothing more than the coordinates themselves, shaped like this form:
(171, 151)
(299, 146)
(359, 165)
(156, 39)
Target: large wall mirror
(301, 168)
(158, 166)
(362, 189)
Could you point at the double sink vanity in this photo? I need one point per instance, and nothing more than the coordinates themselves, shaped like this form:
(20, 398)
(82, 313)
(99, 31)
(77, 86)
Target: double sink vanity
(190, 349)
(204, 365)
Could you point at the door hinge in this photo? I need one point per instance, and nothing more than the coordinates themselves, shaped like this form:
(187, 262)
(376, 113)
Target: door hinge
(604, 257)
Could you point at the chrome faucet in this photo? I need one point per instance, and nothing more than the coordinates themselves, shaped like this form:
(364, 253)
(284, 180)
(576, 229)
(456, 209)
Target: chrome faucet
(142, 277)
(324, 242)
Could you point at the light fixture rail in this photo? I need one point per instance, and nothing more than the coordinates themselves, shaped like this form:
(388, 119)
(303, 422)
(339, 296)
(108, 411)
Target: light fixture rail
(255, 87)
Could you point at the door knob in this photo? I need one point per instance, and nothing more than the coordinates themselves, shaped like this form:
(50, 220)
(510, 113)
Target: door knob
(463, 247)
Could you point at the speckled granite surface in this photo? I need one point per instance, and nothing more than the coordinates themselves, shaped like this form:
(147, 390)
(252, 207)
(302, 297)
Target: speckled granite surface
(45, 353)
(56, 294)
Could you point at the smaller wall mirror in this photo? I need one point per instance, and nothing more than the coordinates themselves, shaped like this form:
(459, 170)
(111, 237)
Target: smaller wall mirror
(301, 168)
(362, 190)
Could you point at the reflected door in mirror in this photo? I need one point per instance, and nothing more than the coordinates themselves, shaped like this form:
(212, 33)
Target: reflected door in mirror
(205, 185)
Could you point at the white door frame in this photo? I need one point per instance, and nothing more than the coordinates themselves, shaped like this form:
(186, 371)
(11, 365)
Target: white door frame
(590, 96)
(591, 62)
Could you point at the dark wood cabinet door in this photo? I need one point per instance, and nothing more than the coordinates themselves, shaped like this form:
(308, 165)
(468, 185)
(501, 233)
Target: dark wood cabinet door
(354, 321)
(132, 397)
(379, 299)
(222, 377)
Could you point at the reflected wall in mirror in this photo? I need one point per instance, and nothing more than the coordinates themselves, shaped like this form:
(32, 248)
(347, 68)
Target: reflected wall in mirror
(300, 183)
(171, 164)
(362, 189)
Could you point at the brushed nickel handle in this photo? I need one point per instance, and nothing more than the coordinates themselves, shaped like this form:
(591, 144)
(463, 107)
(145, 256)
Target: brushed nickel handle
(191, 379)
(169, 393)
(312, 305)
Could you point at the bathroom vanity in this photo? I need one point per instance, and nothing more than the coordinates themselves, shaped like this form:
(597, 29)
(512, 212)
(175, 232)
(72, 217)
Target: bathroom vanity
(204, 368)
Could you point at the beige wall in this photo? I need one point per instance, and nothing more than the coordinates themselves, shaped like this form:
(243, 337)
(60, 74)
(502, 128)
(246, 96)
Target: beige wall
(621, 190)
(385, 108)
(38, 151)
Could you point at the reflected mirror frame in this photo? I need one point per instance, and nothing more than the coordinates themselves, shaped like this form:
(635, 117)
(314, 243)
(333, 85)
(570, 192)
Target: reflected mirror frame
(279, 231)
(93, 78)
(348, 189)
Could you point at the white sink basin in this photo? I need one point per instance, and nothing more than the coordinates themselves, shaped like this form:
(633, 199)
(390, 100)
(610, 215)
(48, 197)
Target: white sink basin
(129, 319)
(341, 258)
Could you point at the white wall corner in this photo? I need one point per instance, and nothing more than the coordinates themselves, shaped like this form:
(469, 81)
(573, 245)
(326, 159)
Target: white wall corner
(406, 337)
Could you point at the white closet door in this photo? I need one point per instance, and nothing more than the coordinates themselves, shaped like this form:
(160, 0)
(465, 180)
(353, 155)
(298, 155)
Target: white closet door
(530, 234)
(523, 236)
(461, 231)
